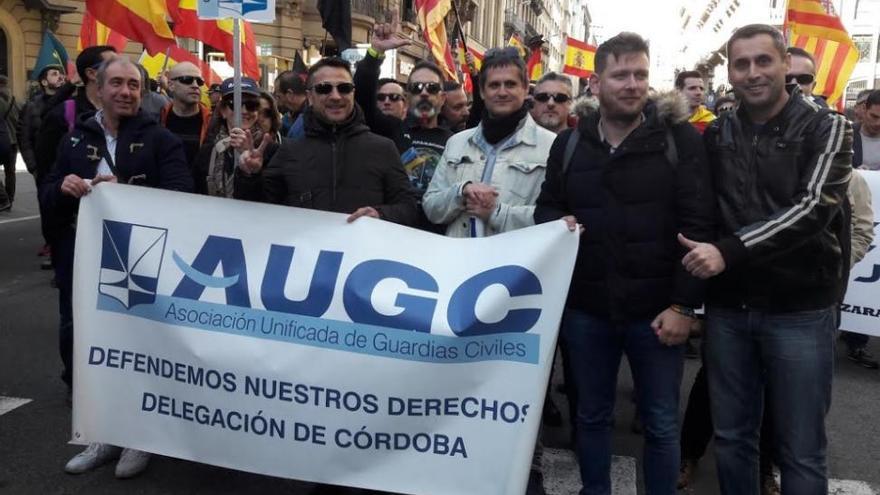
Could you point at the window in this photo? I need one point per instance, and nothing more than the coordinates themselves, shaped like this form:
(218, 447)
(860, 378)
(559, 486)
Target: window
(863, 44)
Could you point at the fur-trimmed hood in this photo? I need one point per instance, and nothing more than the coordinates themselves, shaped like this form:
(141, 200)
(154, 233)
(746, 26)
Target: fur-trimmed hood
(670, 106)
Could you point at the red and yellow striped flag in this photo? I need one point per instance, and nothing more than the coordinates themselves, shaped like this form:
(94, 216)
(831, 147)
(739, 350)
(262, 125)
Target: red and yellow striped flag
(93, 33)
(516, 42)
(809, 26)
(466, 82)
(142, 21)
(216, 33)
(432, 15)
(579, 58)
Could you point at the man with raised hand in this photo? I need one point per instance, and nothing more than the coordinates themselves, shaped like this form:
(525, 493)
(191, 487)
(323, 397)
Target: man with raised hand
(778, 269)
(118, 143)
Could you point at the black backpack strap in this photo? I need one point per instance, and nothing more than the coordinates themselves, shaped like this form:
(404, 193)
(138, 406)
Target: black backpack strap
(570, 146)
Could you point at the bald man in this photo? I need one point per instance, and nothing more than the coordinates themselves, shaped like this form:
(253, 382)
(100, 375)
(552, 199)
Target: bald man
(186, 116)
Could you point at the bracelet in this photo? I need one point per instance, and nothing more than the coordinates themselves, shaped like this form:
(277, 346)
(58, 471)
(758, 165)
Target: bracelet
(375, 54)
(684, 311)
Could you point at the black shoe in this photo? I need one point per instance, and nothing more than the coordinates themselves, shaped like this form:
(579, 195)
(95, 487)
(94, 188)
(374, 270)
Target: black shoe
(46, 264)
(862, 357)
(6, 206)
(551, 416)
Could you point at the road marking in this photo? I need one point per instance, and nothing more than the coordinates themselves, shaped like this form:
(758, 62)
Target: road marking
(9, 403)
(22, 219)
(561, 476)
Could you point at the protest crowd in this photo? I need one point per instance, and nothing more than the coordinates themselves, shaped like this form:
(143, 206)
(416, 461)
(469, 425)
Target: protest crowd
(734, 223)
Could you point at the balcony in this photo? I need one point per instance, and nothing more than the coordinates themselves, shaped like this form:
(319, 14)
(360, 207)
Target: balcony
(369, 8)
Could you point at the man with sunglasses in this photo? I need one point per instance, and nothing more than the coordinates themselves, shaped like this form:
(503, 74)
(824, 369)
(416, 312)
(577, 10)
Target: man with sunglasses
(185, 116)
(551, 102)
(338, 165)
(803, 73)
(418, 136)
(391, 98)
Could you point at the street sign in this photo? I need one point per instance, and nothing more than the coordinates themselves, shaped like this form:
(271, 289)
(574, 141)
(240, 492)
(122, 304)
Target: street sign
(249, 10)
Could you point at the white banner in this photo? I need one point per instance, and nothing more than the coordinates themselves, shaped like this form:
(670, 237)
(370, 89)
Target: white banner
(287, 342)
(860, 311)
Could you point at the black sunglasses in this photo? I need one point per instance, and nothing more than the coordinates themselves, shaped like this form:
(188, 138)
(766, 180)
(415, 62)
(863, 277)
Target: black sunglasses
(326, 88)
(557, 97)
(800, 78)
(388, 96)
(189, 80)
(417, 87)
(250, 104)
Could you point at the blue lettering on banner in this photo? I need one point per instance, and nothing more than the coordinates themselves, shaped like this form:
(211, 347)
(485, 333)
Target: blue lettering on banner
(333, 334)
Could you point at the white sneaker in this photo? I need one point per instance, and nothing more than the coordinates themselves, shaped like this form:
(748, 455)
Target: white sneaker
(95, 455)
(132, 463)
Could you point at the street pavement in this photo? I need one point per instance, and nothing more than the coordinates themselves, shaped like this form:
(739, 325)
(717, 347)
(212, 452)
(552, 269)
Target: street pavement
(35, 409)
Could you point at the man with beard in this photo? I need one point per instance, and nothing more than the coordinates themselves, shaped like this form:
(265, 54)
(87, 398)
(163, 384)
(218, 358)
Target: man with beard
(690, 84)
(635, 176)
(51, 78)
(419, 138)
(551, 102)
(778, 270)
(457, 110)
(186, 117)
(338, 165)
(118, 143)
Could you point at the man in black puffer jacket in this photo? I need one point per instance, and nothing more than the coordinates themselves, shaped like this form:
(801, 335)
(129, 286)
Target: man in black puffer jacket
(637, 177)
(338, 166)
(781, 168)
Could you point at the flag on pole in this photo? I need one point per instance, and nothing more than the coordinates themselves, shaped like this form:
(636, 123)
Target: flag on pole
(336, 20)
(810, 26)
(216, 33)
(92, 33)
(466, 82)
(579, 58)
(142, 21)
(516, 42)
(535, 65)
(432, 15)
(52, 54)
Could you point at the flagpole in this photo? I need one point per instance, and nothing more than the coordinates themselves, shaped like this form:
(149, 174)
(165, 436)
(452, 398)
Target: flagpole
(459, 26)
(236, 65)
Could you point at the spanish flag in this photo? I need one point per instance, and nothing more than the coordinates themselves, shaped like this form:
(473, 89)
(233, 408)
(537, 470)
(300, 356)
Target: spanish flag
(809, 26)
(701, 118)
(516, 42)
(579, 58)
(432, 15)
(216, 33)
(142, 21)
(93, 33)
(466, 82)
(534, 65)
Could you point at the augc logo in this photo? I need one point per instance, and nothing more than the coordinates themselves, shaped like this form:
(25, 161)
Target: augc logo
(131, 258)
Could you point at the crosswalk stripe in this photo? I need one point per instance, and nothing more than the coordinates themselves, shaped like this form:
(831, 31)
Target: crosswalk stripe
(561, 475)
(9, 403)
(850, 487)
(20, 219)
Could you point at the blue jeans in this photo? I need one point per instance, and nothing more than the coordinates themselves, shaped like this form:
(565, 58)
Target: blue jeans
(595, 346)
(786, 359)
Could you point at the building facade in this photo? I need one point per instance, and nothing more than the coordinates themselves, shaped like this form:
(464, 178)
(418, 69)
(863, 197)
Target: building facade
(297, 27)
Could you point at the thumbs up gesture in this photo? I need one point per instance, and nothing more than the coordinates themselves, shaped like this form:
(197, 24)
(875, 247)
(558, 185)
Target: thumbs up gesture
(703, 260)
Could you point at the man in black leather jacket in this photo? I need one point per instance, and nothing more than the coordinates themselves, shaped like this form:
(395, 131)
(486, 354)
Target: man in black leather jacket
(781, 167)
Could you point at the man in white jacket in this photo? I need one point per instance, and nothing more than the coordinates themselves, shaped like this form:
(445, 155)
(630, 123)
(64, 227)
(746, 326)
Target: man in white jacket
(489, 177)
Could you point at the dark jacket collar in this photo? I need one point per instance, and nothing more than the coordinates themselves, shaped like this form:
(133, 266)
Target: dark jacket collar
(316, 127)
(88, 123)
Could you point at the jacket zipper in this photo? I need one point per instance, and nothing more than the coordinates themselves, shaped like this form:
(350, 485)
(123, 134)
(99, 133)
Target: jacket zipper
(333, 173)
